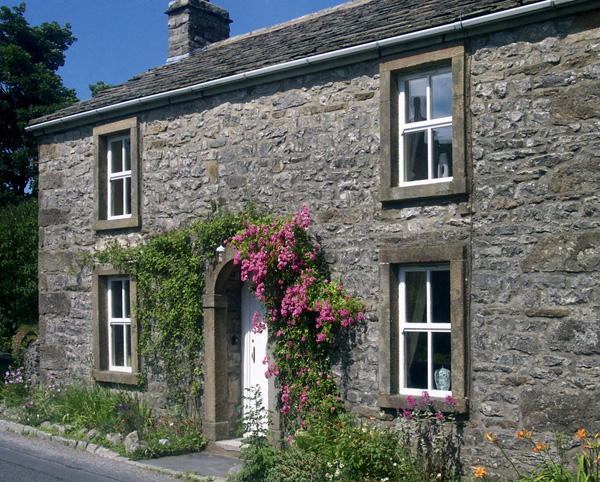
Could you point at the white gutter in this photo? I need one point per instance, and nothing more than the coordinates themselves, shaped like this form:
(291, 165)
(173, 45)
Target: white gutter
(371, 47)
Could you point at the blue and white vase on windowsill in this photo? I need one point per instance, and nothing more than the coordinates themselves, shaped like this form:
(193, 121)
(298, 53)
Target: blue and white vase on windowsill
(442, 377)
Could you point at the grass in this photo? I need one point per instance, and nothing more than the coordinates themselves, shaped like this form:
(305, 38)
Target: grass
(83, 408)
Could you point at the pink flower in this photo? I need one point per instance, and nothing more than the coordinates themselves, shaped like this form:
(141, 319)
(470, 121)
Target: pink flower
(450, 400)
(411, 402)
(321, 337)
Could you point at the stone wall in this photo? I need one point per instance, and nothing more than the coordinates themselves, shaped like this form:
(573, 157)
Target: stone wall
(535, 340)
(531, 221)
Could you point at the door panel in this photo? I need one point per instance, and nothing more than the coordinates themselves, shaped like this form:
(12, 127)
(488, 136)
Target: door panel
(254, 348)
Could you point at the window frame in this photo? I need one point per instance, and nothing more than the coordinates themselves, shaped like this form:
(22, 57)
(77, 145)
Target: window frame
(427, 125)
(103, 368)
(392, 187)
(114, 176)
(408, 327)
(391, 260)
(103, 135)
(122, 321)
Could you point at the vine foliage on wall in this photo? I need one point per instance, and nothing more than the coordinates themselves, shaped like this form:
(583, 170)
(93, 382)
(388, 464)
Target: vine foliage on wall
(169, 273)
(289, 276)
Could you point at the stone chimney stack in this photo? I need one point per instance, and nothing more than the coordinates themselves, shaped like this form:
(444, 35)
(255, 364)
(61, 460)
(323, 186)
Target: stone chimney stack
(194, 24)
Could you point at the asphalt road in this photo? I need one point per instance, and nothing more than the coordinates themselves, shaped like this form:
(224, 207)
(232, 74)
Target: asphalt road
(27, 459)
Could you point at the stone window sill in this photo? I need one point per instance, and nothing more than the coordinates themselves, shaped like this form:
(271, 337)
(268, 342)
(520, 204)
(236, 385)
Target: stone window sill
(121, 378)
(108, 224)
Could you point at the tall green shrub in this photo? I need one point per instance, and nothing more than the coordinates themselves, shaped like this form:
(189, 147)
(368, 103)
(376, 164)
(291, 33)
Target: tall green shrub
(18, 269)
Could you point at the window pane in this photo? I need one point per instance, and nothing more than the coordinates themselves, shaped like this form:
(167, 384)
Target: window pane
(440, 296)
(126, 298)
(116, 197)
(127, 195)
(415, 353)
(116, 299)
(441, 360)
(416, 296)
(416, 100)
(442, 152)
(128, 344)
(441, 95)
(127, 154)
(415, 156)
(118, 352)
(116, 152)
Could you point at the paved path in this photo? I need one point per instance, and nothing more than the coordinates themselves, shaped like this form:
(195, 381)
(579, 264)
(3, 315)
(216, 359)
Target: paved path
(200, 465)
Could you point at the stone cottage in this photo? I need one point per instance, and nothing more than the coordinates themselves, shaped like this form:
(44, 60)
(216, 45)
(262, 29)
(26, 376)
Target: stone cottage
(449, 154)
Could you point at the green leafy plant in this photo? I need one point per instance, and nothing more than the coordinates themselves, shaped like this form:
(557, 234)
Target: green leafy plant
(16, 387)
(297, 465)
(303, 311)
(93, 407)
(363, 450)
(169, 274)
(431, 436)
(257, 453)
(19, 268)
(552, 462)
(42, 403)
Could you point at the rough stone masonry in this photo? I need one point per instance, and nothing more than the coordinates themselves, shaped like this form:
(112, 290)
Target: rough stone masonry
(531, 219)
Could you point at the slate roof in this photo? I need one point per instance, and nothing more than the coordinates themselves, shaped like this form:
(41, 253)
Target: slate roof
(353, 23)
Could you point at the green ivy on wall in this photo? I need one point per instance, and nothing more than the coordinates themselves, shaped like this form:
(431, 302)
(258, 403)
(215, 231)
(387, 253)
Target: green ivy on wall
(290, 278)
(169, 273)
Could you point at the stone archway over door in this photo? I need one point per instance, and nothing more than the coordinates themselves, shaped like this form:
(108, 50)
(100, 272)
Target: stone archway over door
(254, 349)
(218, 423)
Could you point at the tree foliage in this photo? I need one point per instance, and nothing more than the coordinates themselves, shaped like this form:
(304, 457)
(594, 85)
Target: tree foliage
(18, 265)
(29, 88)
(98, 87)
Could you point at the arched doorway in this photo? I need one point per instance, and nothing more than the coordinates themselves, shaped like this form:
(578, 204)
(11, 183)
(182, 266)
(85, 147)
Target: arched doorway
(227, 331)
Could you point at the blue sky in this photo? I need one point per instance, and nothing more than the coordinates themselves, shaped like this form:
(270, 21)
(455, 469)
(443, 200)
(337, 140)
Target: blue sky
(118, 39)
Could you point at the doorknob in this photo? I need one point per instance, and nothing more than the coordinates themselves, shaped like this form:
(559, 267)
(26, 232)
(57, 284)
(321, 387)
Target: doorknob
(253, 354)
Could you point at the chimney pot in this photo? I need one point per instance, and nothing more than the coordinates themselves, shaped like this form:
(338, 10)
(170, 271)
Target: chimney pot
(193, 25)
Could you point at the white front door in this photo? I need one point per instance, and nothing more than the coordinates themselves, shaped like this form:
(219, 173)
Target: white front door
(254, 349)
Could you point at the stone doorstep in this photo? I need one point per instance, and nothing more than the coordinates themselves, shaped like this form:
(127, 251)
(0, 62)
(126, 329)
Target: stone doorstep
(227, 448)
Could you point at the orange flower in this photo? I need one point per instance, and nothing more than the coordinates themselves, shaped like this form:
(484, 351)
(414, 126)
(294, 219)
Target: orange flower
(539, 447)
(491, 437)
(479, 472)
(526, 434)
(581, 433)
